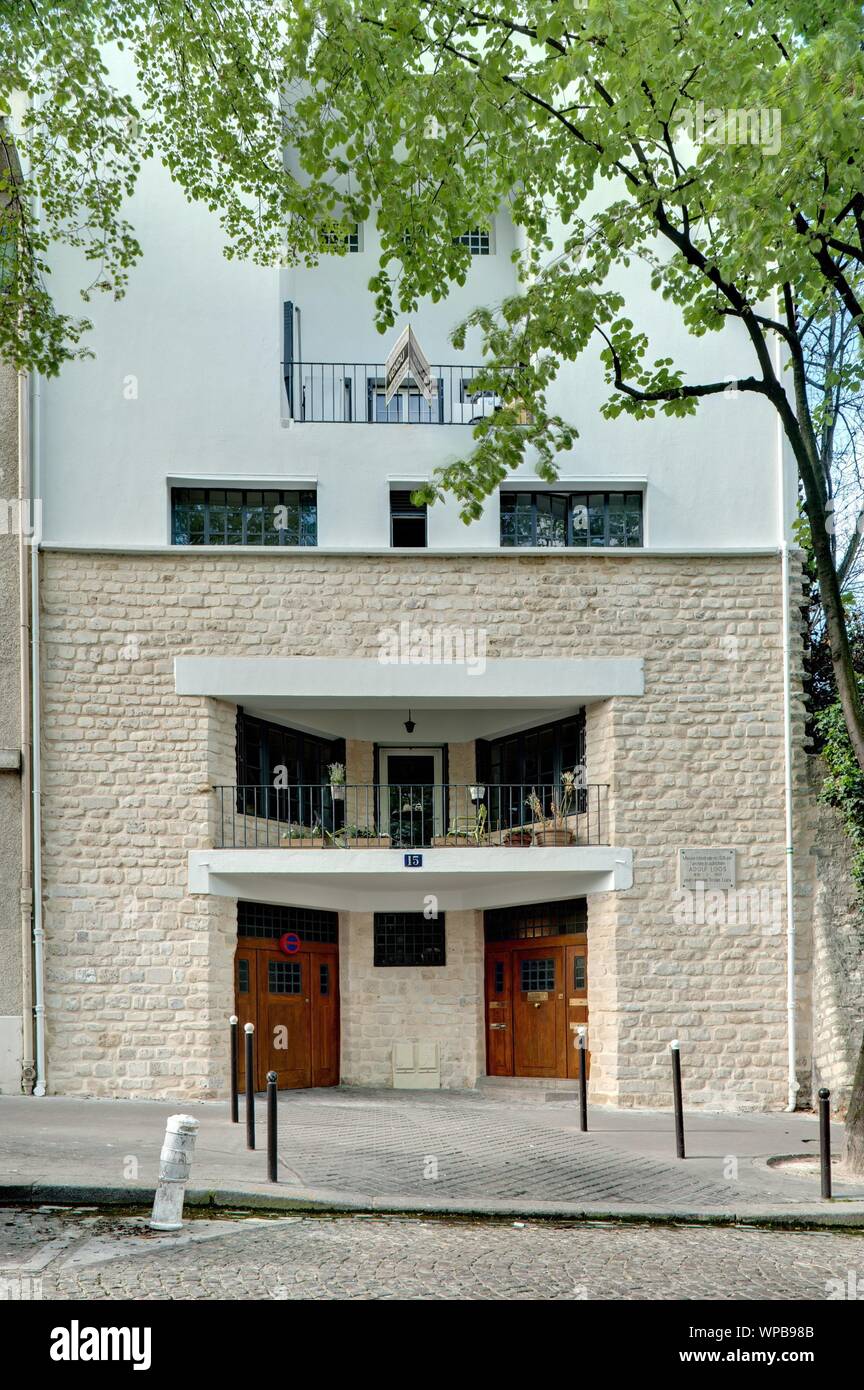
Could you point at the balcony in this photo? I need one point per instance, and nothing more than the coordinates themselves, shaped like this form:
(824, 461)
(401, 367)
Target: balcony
(345, 393)
(405, 817)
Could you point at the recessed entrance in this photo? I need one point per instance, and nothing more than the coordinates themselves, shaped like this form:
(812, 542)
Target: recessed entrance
(290, 992)
(412, 795)
(536, 989)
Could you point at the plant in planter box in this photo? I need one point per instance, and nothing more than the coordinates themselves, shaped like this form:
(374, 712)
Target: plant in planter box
(295, 835)
(552, 829)
(358, 836)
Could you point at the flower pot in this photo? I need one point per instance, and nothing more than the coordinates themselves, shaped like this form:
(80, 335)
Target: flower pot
(557, 835)
(518, 839)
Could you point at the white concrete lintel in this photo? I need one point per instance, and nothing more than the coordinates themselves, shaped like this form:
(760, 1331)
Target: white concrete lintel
(368, 880)
(518, 683)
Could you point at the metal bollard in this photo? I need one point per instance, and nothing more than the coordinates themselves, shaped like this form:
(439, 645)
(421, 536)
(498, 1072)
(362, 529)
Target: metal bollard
(232, 1026)
(175, 1164)
(825, 1141)
(581, 1043)
(675, 1049)
(272, 1121)
(249, 1029)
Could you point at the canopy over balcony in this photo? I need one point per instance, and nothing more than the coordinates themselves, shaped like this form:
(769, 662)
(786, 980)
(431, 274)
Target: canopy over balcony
(466, 696)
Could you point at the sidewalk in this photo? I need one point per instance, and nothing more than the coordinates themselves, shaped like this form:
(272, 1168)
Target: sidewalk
(431, 1152)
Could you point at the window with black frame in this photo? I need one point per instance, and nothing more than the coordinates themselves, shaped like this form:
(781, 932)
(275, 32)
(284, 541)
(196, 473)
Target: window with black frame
(408, 938)
(243, 516)
(282, 774)
(513, 766)
(557, 520)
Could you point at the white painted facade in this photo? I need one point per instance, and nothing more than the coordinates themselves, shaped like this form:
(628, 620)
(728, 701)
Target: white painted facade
(186, 386)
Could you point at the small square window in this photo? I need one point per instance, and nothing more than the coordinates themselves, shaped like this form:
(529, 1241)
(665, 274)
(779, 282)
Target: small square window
(538, 975)
(478, 241)
(408, 938)
(284, 977)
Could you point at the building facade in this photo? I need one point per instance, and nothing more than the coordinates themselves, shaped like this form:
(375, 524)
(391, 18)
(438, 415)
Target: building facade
(420, 800)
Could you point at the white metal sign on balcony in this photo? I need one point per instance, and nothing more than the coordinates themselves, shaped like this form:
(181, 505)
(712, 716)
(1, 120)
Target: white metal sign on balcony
(406, 358)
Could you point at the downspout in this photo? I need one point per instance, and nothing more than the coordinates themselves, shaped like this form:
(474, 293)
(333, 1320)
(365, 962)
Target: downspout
(36, 693)
(791, 1026)
(24, 502)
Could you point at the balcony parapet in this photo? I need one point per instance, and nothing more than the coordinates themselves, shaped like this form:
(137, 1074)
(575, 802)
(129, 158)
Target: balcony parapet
(381, 815)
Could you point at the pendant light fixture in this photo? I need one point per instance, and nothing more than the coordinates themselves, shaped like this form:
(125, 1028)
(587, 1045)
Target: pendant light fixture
(410, 726)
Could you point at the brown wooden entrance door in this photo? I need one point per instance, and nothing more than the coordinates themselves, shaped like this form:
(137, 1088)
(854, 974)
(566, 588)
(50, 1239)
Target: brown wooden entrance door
(576, 991)
(293, 1001)
(499, 1013)
(535, 997)
(539, 1030)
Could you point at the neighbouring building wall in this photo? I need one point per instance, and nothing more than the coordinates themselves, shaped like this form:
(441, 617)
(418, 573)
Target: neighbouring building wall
(10, 747)
(838, 951)
(382, 1007)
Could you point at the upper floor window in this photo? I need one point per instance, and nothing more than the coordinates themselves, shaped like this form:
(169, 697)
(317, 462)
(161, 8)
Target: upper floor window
(571, 518)
(407, 521)
(341, 235)
(243, 516)
(478, 241)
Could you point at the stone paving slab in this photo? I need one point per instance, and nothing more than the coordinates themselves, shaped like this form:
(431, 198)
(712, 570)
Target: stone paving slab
(434, 1151)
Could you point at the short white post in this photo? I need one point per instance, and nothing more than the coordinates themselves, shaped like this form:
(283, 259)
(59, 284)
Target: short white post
(175, 1165)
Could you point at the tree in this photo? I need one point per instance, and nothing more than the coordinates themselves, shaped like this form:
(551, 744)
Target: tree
(717, 142)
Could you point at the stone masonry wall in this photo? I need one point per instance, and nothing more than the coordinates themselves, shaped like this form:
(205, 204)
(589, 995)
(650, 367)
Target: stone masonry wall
(136, 1007)
(838, 953)
(443, 1004)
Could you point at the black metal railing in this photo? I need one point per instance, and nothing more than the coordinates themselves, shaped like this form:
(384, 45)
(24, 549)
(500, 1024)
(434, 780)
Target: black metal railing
(381, 815)
(353, 393)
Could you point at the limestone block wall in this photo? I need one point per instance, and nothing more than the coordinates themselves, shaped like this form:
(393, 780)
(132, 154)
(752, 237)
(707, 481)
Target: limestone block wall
(136, 1008)
(384, 1005)
(838, 953)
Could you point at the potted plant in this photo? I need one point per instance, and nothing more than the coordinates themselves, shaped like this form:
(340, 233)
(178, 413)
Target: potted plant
(336, 773)
(552, 829)
(358, 837)
(295, 835)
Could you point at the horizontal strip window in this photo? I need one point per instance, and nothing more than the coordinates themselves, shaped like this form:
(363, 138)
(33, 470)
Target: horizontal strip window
(580, 519)
(478, 241)
(243, 516)
(533, 920)
(408, 938)
(338, 236)
(269, 921)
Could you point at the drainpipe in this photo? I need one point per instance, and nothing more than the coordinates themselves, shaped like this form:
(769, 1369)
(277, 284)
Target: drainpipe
(36, 692)
(25, 501)
(791, 1031)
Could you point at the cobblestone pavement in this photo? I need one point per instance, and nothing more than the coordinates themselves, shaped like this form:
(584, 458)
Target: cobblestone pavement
(82, 1255)
(467, 1147)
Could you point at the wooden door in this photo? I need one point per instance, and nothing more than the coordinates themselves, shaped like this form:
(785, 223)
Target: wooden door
(576, 990)
(499, 1013)
(246, 1002)
(284, 1032)
(539, 1026)
(324, 990)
